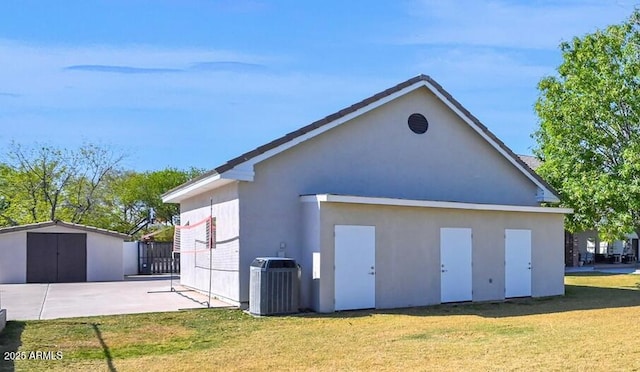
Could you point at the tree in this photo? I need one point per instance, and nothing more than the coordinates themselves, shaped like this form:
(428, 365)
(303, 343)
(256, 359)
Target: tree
(86, 186)
(44, 183)
(134, 195)
(589, 134)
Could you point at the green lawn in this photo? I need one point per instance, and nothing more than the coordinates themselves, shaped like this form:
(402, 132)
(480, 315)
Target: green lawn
(596, 326)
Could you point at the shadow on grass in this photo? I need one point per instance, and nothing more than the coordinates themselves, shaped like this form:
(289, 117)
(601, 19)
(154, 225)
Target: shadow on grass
(576, 297)
(105, 348)
(10, 341)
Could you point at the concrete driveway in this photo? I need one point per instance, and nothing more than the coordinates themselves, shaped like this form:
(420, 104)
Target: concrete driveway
(69, 300)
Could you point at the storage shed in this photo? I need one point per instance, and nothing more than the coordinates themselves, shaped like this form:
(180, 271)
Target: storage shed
(58, 252)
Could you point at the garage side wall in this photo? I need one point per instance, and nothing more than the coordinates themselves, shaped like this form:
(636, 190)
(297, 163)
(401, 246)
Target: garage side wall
(223, 204)
(13, 257)
(408, 251)
(104, 258)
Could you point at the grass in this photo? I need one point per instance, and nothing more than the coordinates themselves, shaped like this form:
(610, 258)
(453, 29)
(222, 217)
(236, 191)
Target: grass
(593, 327)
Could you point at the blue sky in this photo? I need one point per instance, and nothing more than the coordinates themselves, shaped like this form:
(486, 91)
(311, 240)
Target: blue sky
(197, 82)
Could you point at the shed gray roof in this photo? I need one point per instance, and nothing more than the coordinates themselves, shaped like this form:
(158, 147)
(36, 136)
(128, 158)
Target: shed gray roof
(353, 108)
(75, 226)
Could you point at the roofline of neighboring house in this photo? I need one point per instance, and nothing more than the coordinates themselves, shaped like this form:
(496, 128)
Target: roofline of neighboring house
(241, 167)
(40, 225)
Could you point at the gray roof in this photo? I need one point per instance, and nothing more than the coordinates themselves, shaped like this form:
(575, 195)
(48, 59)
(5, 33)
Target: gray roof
(355, 107)
(531, 161)
(40, 225)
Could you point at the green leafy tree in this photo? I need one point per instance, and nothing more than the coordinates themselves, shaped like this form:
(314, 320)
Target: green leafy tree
(43, 183)
(589, 134)
(86, 186)
(135, 195)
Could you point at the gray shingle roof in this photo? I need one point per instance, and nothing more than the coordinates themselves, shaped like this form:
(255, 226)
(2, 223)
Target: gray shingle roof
(531, 161)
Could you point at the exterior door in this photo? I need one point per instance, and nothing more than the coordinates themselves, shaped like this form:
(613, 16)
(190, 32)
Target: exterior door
(517, 252)
(456, 283)
(355, 258)
(72, 258)
(56, 257)
(42, 253)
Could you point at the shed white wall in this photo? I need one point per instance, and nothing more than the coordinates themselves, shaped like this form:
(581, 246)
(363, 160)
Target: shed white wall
(104, 255)
(374, 155)
(13, 258)
(104, 258)
(130, 258)
(408, 251)
(223, 204)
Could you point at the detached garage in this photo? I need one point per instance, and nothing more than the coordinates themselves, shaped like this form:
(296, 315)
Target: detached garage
(402, 199)
(60, 252)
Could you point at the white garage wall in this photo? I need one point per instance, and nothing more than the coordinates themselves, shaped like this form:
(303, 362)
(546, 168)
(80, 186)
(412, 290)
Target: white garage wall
(104, 258)
(13, 257)
(408, 251)
(130, 258)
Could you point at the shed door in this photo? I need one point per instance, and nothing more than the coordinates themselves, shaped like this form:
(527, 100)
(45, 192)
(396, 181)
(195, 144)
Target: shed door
(56, 257)
(455, 265)
(72, 258)
(355, 257)
(42, 253)
(517, 252)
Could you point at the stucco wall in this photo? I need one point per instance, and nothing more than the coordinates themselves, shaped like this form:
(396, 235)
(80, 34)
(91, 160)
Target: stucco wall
(310, 244)
(13, 258)
(408, 251)
(374, 155)
(104, 258)
(223, 204)
(104, 255)
(130, 258)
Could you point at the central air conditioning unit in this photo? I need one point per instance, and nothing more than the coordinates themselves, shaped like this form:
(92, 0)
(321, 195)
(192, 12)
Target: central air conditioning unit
(273, 286)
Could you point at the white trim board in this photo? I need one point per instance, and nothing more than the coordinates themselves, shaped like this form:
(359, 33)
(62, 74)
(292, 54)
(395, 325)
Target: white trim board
(350, 199)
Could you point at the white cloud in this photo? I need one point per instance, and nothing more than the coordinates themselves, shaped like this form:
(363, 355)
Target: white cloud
(474, 68)
(197, 99)
(510, 24)
(142, 77)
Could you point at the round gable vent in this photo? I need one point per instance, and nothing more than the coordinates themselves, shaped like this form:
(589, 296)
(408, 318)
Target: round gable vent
(418, 123)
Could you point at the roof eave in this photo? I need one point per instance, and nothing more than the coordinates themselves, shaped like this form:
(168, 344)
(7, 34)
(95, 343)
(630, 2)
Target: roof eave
(41, 225)
(208, 183)
(354, 199)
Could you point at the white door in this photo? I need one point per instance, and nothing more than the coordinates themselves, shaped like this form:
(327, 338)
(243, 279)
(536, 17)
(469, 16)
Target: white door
(517, 263)
(355, 271)
(455, 265)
